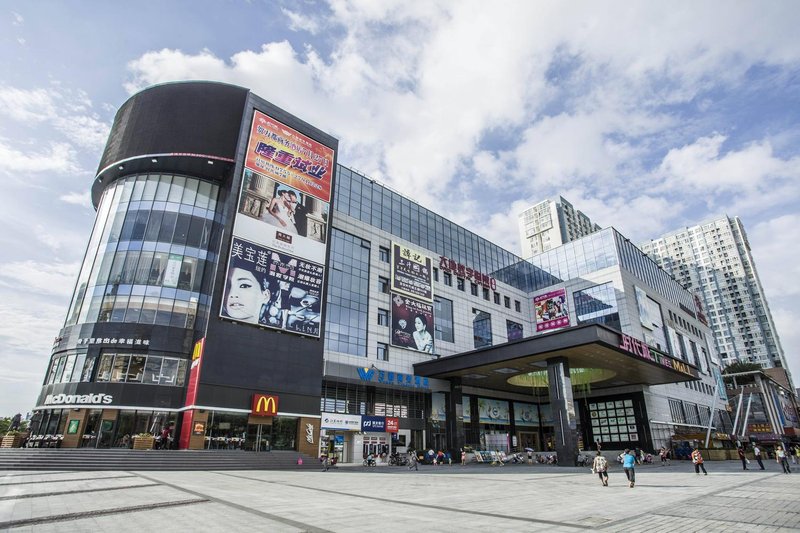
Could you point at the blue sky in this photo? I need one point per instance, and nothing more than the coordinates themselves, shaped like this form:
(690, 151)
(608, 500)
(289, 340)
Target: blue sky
(646, 117)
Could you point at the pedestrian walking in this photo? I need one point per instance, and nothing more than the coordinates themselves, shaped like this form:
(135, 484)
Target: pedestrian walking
(629, 466)
(795, 453)
(662, 453)
(600, 466)
(780, 457)
(742, 457)
(325, 463)
(530, 456)
(697, 459)
(463, 457)
(757, 454)
(413, 461)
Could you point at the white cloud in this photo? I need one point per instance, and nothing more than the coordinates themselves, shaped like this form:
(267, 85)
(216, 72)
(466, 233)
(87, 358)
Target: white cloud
(300, 22)
(56, 157)
(27, 105)
(78, 198)
(776, 254)
(30, 277)
(68, 112)
(17, 19)
(749, 181)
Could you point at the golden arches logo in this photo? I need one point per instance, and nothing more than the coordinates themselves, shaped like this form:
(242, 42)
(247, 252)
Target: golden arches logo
(264, 405)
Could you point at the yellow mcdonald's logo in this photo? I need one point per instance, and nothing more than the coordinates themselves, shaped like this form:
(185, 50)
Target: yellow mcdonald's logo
(265, 405)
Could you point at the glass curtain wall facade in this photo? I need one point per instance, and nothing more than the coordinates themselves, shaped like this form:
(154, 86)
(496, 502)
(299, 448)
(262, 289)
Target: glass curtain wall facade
(148, 252)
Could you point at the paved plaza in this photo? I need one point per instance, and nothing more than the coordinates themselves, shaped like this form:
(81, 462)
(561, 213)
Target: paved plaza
(445, 498)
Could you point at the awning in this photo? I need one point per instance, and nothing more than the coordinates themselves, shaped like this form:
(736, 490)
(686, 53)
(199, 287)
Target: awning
(599, 357)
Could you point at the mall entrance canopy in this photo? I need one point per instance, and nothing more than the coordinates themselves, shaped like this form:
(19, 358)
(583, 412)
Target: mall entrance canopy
(583, 356)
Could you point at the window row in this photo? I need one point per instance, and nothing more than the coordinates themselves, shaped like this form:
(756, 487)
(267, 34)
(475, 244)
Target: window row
(474, 289)
(146, 369)
(371, 203)
(117, 368)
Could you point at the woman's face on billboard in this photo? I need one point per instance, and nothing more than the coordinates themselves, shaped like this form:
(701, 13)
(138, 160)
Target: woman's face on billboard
(245, 296)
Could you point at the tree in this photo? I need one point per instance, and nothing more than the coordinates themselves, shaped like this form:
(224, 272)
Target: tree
(741, 366)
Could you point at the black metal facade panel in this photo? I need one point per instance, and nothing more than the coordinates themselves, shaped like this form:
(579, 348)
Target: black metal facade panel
(160, 339)
(235, 398)
(198, 118)
(132, 395)
(242, 359)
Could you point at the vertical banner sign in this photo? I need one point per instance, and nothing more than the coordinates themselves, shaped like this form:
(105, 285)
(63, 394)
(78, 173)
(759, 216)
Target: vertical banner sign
(412, 324)
(191, 393)
(276, 266)
(412, 298)
(551, 310)
(411, 273)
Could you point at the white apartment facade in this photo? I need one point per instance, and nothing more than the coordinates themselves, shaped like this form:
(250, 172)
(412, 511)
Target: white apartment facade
(714, 261)
(551, 223)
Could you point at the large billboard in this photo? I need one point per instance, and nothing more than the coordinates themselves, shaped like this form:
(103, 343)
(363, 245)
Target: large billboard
(412, 324)
(412, 273)
(276, 264)
(551, 310)
(285, 155)
(268, 288)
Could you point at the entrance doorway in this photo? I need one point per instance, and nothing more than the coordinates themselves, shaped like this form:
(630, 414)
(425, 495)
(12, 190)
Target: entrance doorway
(259, 437)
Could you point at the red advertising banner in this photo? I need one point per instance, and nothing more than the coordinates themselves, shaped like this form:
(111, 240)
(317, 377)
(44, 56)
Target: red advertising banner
(279, 152)
(392, 425)
(191, 393)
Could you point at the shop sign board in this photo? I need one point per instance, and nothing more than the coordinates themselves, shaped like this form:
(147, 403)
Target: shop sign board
(341, 421)
(373, 424)
(264, 405)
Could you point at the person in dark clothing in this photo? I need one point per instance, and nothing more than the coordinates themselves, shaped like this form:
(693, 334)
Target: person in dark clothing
(299, 214)
(742, 457)
(16, 420)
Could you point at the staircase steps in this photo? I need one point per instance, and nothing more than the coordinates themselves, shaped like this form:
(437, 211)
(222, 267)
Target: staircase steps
(83, 459)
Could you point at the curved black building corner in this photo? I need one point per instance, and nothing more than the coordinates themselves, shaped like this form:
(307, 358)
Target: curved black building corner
(152, 283)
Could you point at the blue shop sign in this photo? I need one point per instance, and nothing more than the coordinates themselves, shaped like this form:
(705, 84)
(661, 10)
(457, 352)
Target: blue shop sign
(393, 378)
(374, 424)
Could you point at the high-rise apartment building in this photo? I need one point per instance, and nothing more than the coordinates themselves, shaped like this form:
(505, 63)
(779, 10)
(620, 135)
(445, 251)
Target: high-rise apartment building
(551, 223)
(713, 259)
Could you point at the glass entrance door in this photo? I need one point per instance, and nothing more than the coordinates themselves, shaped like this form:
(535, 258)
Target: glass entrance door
(258, 437)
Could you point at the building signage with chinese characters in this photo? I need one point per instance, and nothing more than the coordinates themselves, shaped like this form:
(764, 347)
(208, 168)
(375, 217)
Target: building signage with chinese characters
(759, 428)
(411, 273)
(471, 274)
(340, 421)
(412, 324)
(265, 405)
(392, 378)
(643, 351)
(373, 424)
(276, 265)
(85, 341)
(392, 424)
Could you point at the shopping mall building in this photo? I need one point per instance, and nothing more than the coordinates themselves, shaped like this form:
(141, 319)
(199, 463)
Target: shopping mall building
(244, 290)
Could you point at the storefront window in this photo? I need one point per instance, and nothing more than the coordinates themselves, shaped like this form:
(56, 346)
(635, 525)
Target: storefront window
(120, 368)
(104, 369)
(284, 433)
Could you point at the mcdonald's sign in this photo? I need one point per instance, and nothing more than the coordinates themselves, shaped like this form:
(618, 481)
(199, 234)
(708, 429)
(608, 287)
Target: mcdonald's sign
(264, 405)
